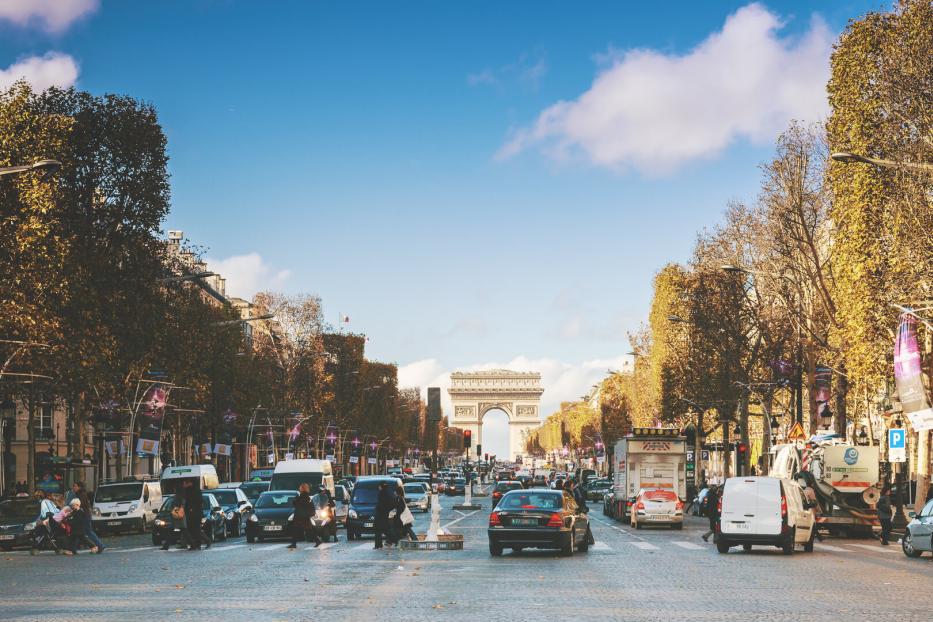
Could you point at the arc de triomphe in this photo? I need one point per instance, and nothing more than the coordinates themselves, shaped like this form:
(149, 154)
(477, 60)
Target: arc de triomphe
(518, 394)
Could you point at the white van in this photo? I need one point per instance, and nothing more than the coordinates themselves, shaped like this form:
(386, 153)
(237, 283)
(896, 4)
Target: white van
(204, 477)
(128, 505)
(290, 474)
(764, 511)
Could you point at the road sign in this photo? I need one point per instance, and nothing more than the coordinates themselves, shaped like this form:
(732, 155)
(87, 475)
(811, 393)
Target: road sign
(796, 433)
(897, 445)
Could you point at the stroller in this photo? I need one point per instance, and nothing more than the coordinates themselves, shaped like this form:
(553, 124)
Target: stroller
(48, 535)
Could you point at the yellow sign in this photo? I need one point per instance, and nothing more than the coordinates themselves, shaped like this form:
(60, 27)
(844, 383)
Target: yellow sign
(796, 433)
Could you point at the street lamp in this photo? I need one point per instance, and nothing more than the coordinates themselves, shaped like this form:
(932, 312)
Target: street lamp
(677, 319)
(244, 320)
(846, 157)
(187, 277)
(47, 167)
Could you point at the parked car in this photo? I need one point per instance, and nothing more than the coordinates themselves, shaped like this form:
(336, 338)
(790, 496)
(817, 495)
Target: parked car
(18, 518)
(271, 517)
(764, 511)
(213, 520)
(417, 496)
(236, 507)
(918, 537)
(501, 488)
(658, 507)
(539, 518)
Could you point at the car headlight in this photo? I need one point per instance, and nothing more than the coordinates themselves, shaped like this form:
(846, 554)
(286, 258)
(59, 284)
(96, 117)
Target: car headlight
(203, 520)
(352, 513)
(29, 526)
(291, 517)
(133, 507)
(96, 512)
(323, 513)
(253, 518)
(159, 522)
(230, 515)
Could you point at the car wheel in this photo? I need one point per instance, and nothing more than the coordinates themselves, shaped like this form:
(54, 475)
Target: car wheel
(677, 526)
(333, 532)
(722, 547)
(638, 525)
(238, 529)
(907, 545)
(156, 540)
(6, 548)
(250, 539)
(808, 545)
(570, 545)
(788, 546)
(517, 549)
(495, 549)
(223, 531)
(746, 547)
(261, 539)
(584, 546)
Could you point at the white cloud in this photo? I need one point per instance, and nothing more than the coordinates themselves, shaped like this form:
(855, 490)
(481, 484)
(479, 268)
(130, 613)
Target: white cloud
(53, 69)
(655, 111)
(248, 274)
(51, 15)
(528, 69)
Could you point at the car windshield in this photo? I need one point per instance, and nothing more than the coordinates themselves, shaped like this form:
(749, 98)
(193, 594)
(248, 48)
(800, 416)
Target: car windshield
(530, 501)
(115, 493)
(414, 488)
(252, 490)
(19, 511)
(505, 486)
(226, 496)
(276, 499)
(166, 503)
(366, 494)
(291, 481)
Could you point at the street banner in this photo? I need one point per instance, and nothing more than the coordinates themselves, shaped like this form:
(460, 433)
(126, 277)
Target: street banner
(224, 445)
(783, 371)
(330, 442)
(822, 380)
(153, 413)
(293, 432)
(356, 447)
(908, 375)
(115, 447)
(206, 449)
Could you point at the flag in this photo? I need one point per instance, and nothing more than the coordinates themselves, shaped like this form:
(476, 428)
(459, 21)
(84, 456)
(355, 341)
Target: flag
(153, 413)
(224, 445)
(908, 375)
(822, 380)
(330, 442)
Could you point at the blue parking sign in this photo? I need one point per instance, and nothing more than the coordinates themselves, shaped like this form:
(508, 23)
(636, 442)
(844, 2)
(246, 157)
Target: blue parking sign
(896, 438)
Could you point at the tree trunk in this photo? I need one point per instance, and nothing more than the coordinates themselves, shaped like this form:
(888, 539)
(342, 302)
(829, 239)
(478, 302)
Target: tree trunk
(80, 421)
(31, 446)
(842, 391)
(743, 468)
(766, 441)
(811, 390)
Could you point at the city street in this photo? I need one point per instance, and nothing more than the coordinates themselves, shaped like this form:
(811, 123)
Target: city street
(628, 575)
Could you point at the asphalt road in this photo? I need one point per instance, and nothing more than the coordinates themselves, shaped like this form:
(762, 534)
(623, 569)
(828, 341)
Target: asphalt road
(629, 575)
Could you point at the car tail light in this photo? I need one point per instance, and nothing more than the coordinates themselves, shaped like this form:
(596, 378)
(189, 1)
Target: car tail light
(679, 505)
(639, 506)
(719, 506)
(494, 520)
(783, 514)
(556, 520)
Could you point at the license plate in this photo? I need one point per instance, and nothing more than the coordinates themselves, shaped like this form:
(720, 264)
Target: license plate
(7, 537)
(367, 524)
(527, 522)
(273, 528)
(740, 525)
(114, 523)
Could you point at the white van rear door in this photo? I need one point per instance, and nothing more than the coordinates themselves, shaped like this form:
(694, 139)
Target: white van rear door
(739, 505)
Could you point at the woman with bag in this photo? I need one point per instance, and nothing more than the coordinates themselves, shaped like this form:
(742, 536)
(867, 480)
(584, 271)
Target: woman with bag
(179, 529)
(403, 521)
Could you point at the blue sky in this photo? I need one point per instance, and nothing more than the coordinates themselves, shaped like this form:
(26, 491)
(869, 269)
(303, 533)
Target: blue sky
(410, 162)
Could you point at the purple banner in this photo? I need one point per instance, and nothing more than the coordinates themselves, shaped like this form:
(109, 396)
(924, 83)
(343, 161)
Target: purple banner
(908, 375)
(152, 415)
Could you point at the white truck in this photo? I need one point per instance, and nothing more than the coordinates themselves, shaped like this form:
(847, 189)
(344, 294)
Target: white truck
(648, 458)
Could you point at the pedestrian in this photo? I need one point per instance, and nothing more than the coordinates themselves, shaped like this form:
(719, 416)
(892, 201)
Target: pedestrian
(885, 514)
(77, 520)
(806, 482)
(580, 498)
(72, 493)
(711, 509)
(178, 534)
(404, 520)
(81, 495)
(385, 503)
(194, 512)
(301, 521)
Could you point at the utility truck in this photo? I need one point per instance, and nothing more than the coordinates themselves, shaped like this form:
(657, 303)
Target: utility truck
(646, 459)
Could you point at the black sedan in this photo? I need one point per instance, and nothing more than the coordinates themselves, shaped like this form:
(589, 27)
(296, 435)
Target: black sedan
(213, 520)
(236, 506)
(18, 518)
(502, 488)
(539, 518)
(271, 517)
(456, 486)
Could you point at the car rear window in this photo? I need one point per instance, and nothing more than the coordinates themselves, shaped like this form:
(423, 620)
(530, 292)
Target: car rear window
(530, 501)
(660, 495)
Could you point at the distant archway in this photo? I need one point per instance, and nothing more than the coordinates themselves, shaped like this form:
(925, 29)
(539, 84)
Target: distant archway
(495, 433)
(517, 394)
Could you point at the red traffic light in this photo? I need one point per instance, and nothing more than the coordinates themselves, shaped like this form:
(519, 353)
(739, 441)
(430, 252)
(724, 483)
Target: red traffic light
(741, 448)
(467, 438)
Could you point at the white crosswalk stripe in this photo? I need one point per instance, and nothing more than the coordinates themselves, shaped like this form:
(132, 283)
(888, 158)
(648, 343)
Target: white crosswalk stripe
(875, 548)
(690, 546)
(601, 546)
(644, 546)
(832, 549)
(324, 546)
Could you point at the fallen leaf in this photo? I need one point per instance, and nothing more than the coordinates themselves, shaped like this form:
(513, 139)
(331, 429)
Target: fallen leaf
(179, 586)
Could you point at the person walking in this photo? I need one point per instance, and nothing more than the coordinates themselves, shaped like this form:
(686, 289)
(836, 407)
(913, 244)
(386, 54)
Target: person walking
(77, 520)
(580, 498)
(81, 495)
(194, 512)
(404, 520)
(885, 514)
(711, 503)
(301, 521)
(179, 530)
(385, 503)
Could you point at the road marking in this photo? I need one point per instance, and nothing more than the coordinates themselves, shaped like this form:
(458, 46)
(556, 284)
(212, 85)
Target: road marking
(138, 548)
(690, 546)
(224, 548)
(830, 548)
(601, 546)
(365, 545)
(877, 548)
(453, 522)
(324, 546)
(644, 546)
(616, 527)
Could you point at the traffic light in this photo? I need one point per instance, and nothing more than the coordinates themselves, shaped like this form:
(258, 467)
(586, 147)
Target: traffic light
(467, 439)
(741, 453)
(486, 457)
(479, 449)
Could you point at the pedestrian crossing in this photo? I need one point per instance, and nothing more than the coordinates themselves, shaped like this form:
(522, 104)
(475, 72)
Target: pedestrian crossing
(642, 546)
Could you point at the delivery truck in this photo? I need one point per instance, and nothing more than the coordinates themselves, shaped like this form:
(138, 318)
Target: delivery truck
(648, 458)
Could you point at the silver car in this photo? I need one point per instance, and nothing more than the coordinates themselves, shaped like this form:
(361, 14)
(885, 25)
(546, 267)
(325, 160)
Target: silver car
(918, 537)
(417, 497)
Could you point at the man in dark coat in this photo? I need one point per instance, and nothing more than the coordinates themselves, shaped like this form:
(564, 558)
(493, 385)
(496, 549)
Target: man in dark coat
(885, 514)
(194, 512)
(301, 521)
(711, 507)
(385, 503)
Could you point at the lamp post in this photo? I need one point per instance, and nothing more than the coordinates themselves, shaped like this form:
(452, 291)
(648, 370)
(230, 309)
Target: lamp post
(846, 157)
(46, 167)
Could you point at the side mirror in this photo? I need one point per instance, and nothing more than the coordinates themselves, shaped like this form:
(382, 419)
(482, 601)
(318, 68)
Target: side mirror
(911, 515)
(242, 502)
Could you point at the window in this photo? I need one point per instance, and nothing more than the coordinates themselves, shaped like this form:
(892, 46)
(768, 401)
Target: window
(45, 417)
(927, 510)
